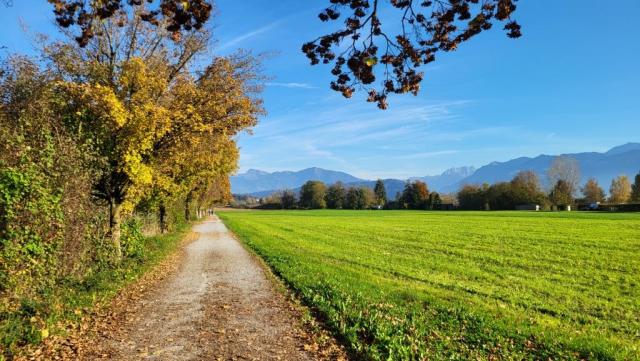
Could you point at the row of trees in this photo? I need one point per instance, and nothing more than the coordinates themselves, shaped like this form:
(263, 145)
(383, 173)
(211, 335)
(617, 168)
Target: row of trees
(524, 189)
(316, 195)
(621, 190)
(130, 121)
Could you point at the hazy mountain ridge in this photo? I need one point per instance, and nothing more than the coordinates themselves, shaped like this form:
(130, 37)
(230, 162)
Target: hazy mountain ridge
(623, 159)
(447, 178)
(258, 181)
(261, 184)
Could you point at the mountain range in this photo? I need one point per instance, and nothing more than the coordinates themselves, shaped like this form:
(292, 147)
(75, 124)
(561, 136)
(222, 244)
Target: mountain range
(623, 159)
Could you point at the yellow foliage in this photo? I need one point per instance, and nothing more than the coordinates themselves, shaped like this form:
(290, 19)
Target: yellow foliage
(160, 127)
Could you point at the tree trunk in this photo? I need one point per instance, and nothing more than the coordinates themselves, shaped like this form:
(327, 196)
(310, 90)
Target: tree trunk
(187, 210)
(114, 229)
(162, 218)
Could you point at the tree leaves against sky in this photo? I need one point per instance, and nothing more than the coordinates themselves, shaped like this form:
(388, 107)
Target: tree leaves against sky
(371, 50)
(174, 15)
(362, 49)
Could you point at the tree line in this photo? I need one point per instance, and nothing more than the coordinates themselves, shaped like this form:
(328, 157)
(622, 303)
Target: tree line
(564, 178)
(130, 125)
(525, 189)
(317, 195)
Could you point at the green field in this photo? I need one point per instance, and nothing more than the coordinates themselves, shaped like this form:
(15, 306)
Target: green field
(460, 285)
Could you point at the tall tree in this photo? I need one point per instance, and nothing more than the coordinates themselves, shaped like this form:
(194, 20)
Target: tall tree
(312, 195)
(635, 189)
(363, 50)
(428, 27)
(562, 193)
(380, 192)
(566, 169)
(620, 190)
(288, 199)
(471, 197)
(499, 196)
(592, 191)
(137, 97)
(415, 195)
(359, 198)
(335, 197)
(434, 200)
(525, 188)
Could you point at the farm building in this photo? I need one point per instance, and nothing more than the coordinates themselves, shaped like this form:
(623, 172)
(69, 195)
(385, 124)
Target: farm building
(528, 207)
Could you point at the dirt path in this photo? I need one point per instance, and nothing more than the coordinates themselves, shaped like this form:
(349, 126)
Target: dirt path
(218, 305)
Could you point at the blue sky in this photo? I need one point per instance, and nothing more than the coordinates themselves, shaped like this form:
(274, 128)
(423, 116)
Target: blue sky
(570, 84)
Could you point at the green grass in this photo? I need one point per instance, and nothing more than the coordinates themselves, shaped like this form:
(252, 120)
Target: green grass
(72, 299)
(461, 285)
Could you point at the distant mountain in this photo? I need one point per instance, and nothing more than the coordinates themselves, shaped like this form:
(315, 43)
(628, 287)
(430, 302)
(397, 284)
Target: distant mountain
(259, 181)
(448, 178)
(623, 159)
(261, 184)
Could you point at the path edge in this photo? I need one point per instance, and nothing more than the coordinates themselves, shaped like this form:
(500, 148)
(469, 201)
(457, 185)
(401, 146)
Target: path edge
(327, 346)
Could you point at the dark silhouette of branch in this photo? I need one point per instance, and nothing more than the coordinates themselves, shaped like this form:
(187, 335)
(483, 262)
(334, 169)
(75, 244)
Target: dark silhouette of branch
(427, 27)
(175, 16)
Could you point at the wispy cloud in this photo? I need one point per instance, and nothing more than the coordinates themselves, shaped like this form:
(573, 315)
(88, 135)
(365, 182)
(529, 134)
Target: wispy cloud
(357, 137)
(239, 39)
(292, 85)
(419, 155)
(356, 121)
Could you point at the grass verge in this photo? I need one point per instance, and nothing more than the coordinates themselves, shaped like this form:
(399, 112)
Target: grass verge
(63, 308)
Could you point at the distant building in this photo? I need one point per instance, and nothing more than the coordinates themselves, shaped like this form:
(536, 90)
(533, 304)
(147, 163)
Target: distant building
(446, 207)
(528, 207)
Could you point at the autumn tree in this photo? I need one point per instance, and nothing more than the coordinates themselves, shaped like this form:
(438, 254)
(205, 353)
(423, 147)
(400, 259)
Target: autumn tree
(368, 197)
(592, 191)
(525, 188)
(363, 50)
(635, 189)
(415, 195)
(173, 16)
(312, 195)
(335, 197)
(620, 190)
(434, 200)
(566, 169)
(380, 192)
(217, 96)
(372, 51)
(137, 97)
(562, 193)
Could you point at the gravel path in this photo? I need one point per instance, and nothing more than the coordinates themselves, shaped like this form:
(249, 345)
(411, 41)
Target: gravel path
(218, 305)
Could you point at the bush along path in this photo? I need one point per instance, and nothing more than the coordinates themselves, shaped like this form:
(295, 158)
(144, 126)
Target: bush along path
(212, 300)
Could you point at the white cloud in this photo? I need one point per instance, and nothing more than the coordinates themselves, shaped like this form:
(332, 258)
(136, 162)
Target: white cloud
(239, 39)
(292, 85)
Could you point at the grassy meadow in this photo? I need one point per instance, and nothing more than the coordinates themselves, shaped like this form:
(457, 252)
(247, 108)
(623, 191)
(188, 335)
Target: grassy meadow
(406, 285)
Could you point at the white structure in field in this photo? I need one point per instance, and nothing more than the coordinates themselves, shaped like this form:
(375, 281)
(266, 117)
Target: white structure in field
(528, 207)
